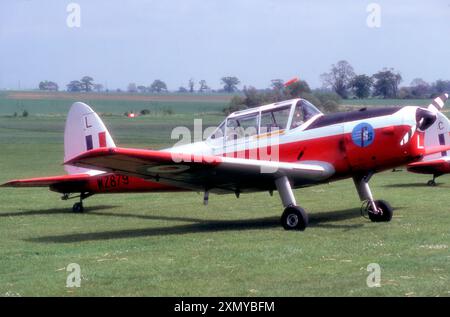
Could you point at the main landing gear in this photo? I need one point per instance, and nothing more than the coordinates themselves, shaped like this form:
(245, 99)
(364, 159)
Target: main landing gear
(77, 207)
(432, 182)
(378, 210)
(293, 217)
(296, 218)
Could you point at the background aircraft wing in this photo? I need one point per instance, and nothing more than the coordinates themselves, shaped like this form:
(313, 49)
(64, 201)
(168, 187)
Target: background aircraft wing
(46, 181)
(436, 166)
(214, 173)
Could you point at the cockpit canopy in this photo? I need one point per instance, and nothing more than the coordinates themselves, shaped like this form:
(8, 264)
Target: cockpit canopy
(280, 116)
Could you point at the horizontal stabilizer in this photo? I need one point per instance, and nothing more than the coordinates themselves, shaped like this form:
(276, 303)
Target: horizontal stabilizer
(437, 166)
(46, 181)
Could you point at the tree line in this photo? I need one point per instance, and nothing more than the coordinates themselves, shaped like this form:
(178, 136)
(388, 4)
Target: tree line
(340, 79)
(87, 84)
(229, 84)
(343, 80)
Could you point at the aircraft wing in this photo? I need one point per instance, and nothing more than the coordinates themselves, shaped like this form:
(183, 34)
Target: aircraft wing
(436, 166)
(46, 181)
(214, 173)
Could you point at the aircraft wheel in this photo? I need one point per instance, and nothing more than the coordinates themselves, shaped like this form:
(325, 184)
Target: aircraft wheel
(78, 208)
(431, 183)
(294, 218)
(386, 212)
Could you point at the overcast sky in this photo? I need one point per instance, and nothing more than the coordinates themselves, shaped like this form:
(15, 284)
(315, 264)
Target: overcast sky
(256, 40)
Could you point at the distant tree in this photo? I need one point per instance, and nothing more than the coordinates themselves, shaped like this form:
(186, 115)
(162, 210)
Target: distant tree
(420, 88)
(98, 87)
(182, 90)
(191, 85)
(386, 83)
(74, 86)
(278, 89)
(142, 89)
(326, 101)
(203, 86)
(253, 97)
(277, 84)
(339, 78)
(405, 93)
(298, 88)
(158, 86)
(53, 86)
(132, 88)
(230, 83)
(42, 85)
(87, 83)
(441, 86)
(236, 103)
(25, 113)
(361, 86)
(48, 85)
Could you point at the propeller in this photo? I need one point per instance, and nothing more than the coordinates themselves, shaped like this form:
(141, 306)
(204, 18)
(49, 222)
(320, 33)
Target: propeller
(438, 103)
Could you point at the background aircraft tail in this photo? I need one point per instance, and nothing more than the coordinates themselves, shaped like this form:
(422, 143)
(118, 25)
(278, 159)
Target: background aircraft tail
(437, 135)
(84, 131)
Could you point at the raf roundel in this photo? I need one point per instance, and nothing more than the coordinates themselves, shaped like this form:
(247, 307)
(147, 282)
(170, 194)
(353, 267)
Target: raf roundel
(363, 134)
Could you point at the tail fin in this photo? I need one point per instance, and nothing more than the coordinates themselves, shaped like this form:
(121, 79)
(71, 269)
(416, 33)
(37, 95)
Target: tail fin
(84, 131)
(438, 135)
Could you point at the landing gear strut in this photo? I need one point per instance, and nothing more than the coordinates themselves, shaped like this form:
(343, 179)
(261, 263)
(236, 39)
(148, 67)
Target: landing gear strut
(77, 207)
(432, 182)
(378, 210)
(293, 217)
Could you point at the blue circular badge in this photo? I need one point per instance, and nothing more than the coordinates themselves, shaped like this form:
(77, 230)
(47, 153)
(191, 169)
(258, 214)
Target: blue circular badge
(363, 134)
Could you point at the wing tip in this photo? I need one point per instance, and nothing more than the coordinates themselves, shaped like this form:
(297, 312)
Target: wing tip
(9, 184)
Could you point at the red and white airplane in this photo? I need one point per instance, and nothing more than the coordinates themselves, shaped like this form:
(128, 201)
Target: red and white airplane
(439, 163)
(280, 146)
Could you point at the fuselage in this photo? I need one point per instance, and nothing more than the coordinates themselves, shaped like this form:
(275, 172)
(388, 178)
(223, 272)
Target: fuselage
(352, 142)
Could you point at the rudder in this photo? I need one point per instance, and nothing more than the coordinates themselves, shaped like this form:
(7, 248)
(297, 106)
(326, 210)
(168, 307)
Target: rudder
(84, 131)
(437, 135)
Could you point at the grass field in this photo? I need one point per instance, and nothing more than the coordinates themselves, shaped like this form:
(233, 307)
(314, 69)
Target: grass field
(59, 103)
(170, 244)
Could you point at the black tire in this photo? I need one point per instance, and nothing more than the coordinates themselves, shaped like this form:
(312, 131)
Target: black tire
(386, 212)
(78, 208)
(431, 183)
(294, 218)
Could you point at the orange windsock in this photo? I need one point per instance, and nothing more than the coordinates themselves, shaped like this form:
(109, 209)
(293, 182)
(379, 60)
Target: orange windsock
(291, 81)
